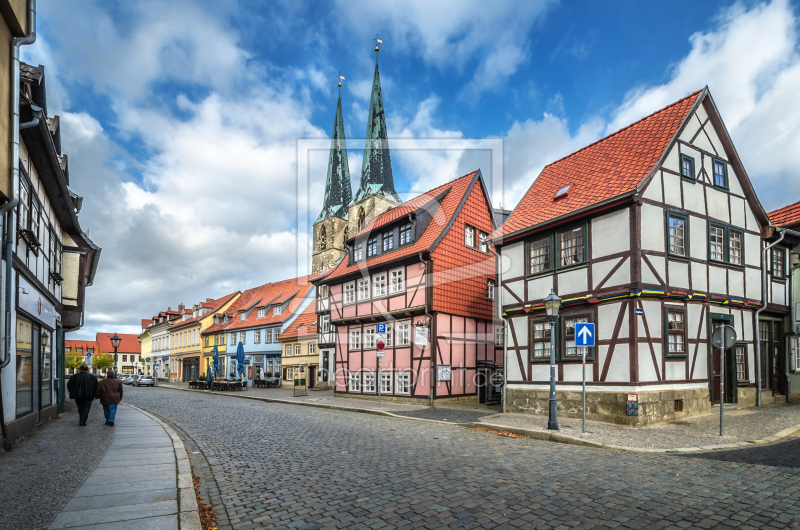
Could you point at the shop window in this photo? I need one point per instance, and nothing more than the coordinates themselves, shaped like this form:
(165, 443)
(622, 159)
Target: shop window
(25, 370)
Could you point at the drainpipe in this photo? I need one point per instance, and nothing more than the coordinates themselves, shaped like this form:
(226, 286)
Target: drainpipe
(498, 295)
(6, 214)
(428, 294)
(788, 350)
(760, 309)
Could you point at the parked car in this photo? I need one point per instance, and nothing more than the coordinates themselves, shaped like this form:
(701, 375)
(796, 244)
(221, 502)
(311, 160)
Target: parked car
(144, 380)
(128, 379)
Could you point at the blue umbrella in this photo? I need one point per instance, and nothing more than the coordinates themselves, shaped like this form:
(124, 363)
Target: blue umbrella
(215, 353)
(240, 359)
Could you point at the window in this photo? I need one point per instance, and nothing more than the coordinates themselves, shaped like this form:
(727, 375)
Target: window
(369, 381)
(242, 336)
(277, 310)
(397, 282)
(24, 204)
(741, 363)
(483, 246)
(257, 336)
(541, 340)
(490, 285)
(388, 241)
(206, 343)
(571, 351)
(233, 339)
(716, 243)
(778, 257)
(677, 235)
(222, 340)
(324, 323)
(735, 247)
(499, 335)
(379, 284)
(349, 293)
(363, 289)
(124, 358)
(355, 381)
(288, 351)
(386, 382)
(572, 248)
(469, 236)
(687, 167)
(288, 374)
(323, 239)
(403, 332)
(402, 383)
(242, 316)
(369, 338)
(795, 346)
(322, 292)
(539, 254)
(562, 191)
(261, 313)
(267, 336)
(355, 339)
(276, 334)
(675, 324)
(372, 246)
(312, 348)
(297, 349)
(358, 252)
(405, 234)
(35, 216)
(389, 334)
(720, 174)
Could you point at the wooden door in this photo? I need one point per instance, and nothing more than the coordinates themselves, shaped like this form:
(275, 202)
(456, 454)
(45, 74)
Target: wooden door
(483, 385)
(312, 376)
(766, 354)
(715, 366)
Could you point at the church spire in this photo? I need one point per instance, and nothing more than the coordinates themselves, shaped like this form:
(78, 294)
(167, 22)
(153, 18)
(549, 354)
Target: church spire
(376, 168)
(338, 193)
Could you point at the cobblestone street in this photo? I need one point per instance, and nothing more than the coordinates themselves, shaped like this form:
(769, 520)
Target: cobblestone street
(285, 466)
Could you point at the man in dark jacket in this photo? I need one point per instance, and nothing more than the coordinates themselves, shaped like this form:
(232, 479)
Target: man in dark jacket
(82, 388)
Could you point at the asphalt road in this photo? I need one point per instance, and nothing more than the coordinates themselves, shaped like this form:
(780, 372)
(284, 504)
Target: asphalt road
(285, 466)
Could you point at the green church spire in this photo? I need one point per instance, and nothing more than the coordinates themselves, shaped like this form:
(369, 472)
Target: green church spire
(338, 193)
(376, 169)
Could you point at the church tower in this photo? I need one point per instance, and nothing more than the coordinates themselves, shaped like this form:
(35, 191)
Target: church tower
(330, 228)
(376, 192)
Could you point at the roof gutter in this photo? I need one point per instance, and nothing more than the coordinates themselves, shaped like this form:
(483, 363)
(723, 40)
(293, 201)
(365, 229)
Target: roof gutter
(760, 309)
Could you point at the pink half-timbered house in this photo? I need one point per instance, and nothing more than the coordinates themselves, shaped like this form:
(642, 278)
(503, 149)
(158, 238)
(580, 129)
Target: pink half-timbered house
(422, 263)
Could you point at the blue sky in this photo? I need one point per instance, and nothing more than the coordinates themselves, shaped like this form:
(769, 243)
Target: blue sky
(181, 118)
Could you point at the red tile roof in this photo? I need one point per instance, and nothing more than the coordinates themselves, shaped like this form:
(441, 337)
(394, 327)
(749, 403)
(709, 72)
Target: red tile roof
(304, 325)
(456, 189)
(129, 344)
(85, 345)
(786, 217)
(215, 306)
(608, 168)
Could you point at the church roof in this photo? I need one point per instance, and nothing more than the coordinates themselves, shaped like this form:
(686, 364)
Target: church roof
(338, 192)
(376, 168)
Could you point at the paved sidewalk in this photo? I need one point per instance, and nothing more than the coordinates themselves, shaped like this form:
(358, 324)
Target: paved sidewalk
(142, 480)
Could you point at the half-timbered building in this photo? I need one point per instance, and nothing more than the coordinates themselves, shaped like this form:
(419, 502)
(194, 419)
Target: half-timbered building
(424, 264)
(654, 234)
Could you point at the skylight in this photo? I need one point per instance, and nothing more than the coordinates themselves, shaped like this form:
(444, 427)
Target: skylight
(562, 191)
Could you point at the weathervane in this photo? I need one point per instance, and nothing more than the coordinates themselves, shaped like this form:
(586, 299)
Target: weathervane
(377, 41)
(340, 78)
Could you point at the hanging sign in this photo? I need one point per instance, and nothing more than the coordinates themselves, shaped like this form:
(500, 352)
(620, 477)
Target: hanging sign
(420, 335)
(33, 303)
(443, 372)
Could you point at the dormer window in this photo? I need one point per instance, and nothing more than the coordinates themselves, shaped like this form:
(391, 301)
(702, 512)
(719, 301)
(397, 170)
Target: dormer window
(262, 313)
(372, 246)
(358, 252)
(562, 191)
(277, 310)
(405, 234)
(242, 316)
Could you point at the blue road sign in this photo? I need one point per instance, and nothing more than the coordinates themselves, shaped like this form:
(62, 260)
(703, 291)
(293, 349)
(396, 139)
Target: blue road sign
(381, 328)
(584, 334)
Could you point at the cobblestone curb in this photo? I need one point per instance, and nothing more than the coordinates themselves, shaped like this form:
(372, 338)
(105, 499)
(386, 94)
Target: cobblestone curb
(547, 436)
(188, 511)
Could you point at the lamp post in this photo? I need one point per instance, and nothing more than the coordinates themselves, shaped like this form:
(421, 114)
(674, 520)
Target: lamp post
(115, 340)
(551, 306)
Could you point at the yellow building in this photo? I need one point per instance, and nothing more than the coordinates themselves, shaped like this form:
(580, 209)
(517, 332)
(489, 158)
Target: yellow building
(186, 342)
(300, 356)
(212, 336)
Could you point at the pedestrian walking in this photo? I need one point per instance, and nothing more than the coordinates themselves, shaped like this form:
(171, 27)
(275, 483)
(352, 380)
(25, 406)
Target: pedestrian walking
(82, 387)
(109, 390)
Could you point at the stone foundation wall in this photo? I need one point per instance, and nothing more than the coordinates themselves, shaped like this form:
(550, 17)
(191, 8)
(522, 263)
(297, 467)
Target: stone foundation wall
(747, 397)
(654, 406)
(424, 400)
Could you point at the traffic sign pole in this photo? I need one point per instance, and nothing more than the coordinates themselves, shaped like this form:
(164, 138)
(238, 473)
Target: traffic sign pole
(583, 355)
(381, 344)
(722, 381)
(584, 339)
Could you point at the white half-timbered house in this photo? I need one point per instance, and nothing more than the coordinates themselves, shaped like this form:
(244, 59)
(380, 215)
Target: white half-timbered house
(654, 234)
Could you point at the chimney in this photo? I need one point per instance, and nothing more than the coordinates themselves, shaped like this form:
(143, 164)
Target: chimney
(169, 309)
(181, 307)
(209, 300)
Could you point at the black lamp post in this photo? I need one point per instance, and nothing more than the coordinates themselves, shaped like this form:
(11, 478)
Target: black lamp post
(115, 340)
(551, 306)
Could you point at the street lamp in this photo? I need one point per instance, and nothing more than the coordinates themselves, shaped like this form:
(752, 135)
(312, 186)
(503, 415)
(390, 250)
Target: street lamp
(115, 340)
(551, 306)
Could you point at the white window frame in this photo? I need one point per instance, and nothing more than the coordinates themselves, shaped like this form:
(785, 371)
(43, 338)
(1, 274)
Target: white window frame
(362, 293)
(354, 339)
(491, 286)
(469, 236)
(277, 310)
(267, 335)
(233, 339)
(369, 338)
(325, 323)
(261, 313)
(402, 383)
(369, 386)
(403, 333)
(389, 335)
(297, 349)
(354, 381)
(397, 280)
(349, 293)
(257, 336)
(499, 335)
(386, 382)
(242, 317)
(312, 348)
(288, 350)
(322, 292)
(379, 285)
(243, 337)
(289, 374)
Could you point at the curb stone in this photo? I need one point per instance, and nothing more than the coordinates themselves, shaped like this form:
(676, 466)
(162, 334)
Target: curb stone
(188, 511)
(546, 436)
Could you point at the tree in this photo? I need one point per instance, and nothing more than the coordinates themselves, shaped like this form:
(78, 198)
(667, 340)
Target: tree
(102, 361)
(73, 360)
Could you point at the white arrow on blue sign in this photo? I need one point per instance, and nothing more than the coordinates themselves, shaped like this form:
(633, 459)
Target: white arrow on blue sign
(382, 328)
(584, 334)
